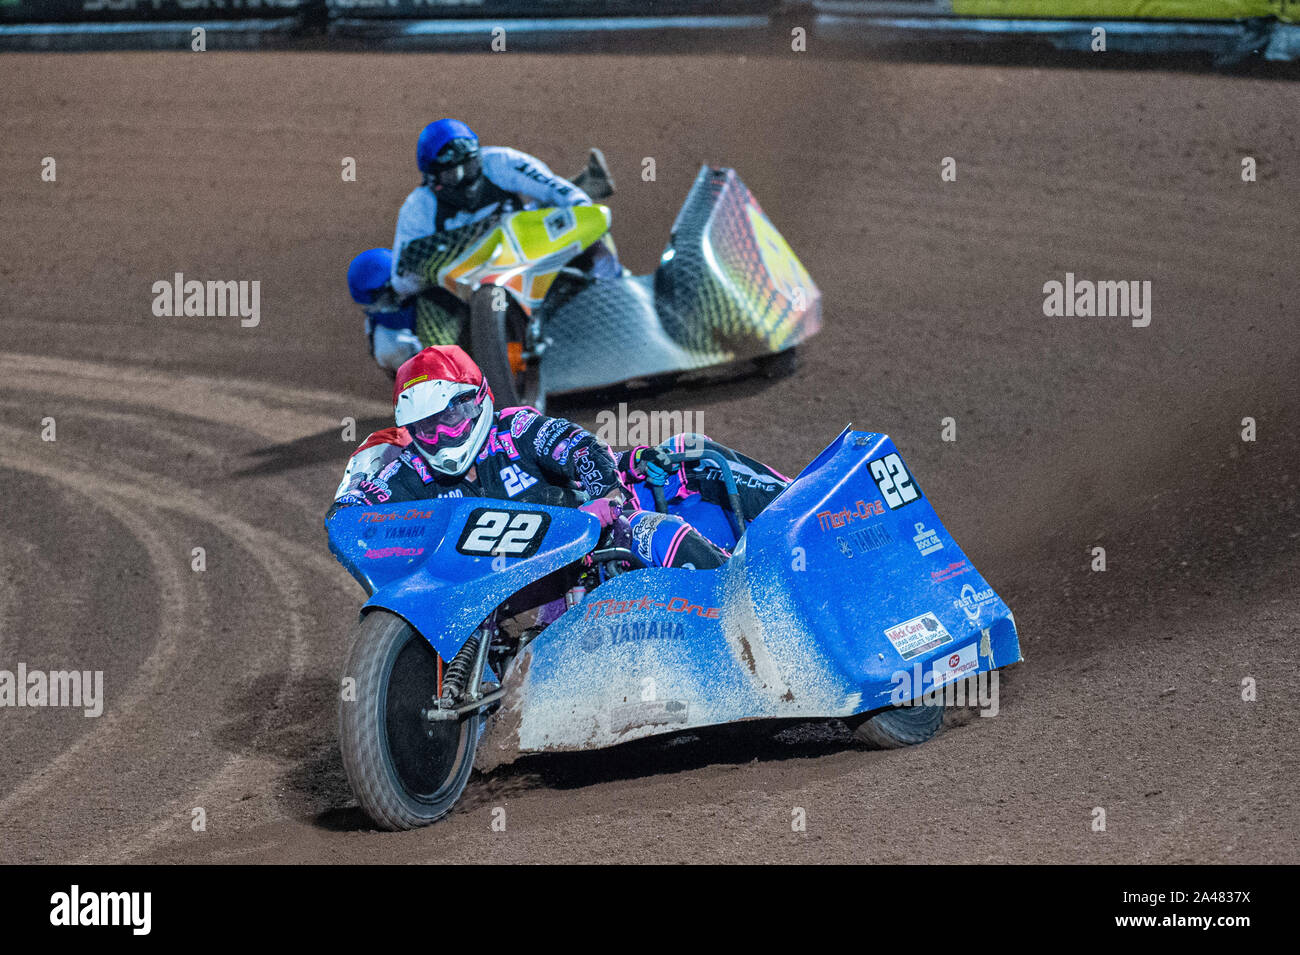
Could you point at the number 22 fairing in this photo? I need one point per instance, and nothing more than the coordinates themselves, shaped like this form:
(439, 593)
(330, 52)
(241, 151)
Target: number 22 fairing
(452, 443)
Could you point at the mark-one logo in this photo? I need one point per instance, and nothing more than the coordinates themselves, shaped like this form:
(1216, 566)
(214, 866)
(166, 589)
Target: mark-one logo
(608, 608)
(860, 512)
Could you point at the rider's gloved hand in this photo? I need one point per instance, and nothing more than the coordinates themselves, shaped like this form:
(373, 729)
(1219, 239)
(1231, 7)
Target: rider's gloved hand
(604, 509)
(652, 464)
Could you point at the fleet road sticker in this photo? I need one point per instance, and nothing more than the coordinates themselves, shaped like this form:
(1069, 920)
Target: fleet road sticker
(918, 635)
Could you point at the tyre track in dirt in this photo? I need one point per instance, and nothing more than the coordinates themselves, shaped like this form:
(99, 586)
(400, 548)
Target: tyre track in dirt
(162, 515)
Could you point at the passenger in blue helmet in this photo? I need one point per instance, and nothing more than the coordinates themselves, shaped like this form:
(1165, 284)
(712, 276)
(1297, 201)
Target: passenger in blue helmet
(464, 183)
(389, 322)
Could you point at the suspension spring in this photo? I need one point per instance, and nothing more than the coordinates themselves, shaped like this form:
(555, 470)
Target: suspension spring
(458, 671)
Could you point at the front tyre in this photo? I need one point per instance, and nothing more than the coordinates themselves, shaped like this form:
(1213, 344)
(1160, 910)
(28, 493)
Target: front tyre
(405, 770)
(899, 726)
(498, 344)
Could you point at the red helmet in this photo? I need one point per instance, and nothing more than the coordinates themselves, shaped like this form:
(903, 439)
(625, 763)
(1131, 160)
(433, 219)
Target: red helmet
(441, 398)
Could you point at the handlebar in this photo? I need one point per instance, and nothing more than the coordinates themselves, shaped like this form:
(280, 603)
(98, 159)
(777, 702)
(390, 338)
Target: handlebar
(736, 513)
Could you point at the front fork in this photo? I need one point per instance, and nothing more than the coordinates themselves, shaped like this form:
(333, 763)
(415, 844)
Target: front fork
(462, 691)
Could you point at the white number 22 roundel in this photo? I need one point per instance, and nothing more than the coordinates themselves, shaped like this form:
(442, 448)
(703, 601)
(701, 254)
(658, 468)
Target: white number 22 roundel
(491, 532)
(895, 483)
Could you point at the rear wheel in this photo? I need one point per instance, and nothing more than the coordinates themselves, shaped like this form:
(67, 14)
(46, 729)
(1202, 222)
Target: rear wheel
(899, 726)
(405, 770)
(499, 346)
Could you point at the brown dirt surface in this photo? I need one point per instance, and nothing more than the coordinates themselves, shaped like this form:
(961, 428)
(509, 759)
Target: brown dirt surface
(176, 433)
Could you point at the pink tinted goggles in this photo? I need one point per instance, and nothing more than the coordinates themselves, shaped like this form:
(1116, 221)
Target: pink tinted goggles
(451, 426)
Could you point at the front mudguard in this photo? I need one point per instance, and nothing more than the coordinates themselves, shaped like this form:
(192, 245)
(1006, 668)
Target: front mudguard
(408, 556)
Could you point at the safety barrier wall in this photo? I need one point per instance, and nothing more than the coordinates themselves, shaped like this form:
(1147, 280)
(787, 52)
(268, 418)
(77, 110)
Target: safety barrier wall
(110, 11)
(1228, 28)
(1285, 10)
(537, 9)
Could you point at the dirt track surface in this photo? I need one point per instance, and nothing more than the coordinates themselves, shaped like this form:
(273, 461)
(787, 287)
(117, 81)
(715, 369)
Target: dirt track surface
(1072, 433)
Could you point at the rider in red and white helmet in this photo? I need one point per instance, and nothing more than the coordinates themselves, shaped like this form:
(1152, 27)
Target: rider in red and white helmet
(461, 446)
(443, 401)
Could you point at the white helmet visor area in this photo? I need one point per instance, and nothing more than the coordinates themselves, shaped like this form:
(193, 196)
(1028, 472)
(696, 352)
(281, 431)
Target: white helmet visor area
(450, 438)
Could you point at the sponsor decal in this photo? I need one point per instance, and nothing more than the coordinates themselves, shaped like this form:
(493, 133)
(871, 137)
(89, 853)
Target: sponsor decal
(619, 633)
(549, 433)
(949, 572)
(744, 476)
(404, 533)
(375, 492)
(382, 552)
(416, 460)
(414, 514)
(927, 541)
(864, 540)
(955, 666)
(629, 716)
(520, 422)
(498, 442)
(561, 452)
(869, 538)
(610, 608)
(643, 533)
(972, 601)
(559, 222)
(911, 638)
(389, 469)
(588, 473)
(532, 172)
(860, 512)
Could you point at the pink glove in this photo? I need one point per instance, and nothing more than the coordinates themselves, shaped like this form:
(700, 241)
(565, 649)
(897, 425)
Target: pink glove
(603, 510)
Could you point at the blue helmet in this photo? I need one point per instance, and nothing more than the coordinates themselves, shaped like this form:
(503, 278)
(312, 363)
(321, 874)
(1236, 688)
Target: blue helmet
(436, 137)
(368, 274)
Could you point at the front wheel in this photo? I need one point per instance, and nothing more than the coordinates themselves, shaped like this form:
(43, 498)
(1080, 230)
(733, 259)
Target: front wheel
(899, 726)
(405, 770)
(498, 341)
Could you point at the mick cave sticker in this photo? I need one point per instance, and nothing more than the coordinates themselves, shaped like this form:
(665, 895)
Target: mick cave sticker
(918, 635)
